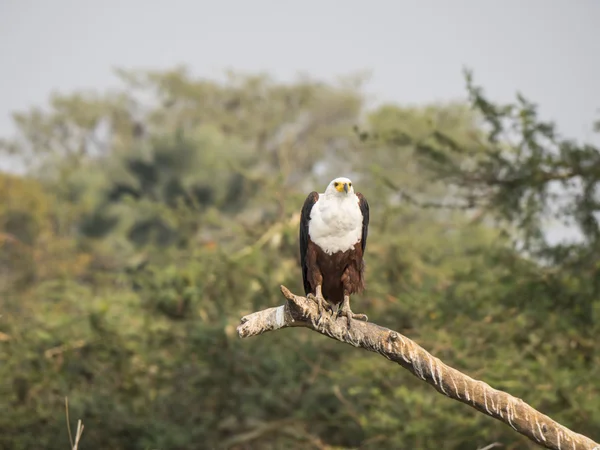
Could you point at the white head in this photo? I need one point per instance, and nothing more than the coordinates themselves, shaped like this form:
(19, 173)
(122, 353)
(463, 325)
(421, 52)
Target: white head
(340, 187)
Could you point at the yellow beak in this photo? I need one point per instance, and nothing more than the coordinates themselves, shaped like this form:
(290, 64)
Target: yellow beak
(342, 187)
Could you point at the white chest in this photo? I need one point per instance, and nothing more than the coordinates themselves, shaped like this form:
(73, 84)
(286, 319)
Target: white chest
(335, 224)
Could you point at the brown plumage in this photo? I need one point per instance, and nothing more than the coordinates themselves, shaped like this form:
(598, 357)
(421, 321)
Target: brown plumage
(339, 273)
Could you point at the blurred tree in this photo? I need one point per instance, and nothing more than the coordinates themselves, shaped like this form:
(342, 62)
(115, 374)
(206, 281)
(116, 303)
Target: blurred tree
(157, 215)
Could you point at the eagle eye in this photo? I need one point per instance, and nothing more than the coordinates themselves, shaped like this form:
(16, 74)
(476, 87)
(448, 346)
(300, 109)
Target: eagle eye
(336, 184)
(349, 184)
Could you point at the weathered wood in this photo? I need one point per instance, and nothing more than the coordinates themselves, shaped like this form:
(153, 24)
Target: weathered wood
(303, 312)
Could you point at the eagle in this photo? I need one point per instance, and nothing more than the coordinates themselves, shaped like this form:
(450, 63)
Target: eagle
(333, 238)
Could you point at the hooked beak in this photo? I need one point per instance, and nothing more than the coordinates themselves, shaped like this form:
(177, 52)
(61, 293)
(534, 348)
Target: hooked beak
(346, 187)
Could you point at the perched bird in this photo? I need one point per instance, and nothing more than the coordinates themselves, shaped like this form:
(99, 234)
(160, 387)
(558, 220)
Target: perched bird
(333, 237)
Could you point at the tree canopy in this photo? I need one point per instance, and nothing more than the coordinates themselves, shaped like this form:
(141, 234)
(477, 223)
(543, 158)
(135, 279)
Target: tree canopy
(151, 218)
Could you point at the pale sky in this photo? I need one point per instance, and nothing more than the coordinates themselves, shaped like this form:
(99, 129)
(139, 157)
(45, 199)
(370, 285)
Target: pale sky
(547, 49)
(415, 50)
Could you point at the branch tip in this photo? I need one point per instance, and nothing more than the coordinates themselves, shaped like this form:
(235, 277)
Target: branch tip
(286, 293)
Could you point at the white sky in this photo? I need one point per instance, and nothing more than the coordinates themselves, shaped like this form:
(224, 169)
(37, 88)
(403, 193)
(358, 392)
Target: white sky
(548, 49)
(415, 50)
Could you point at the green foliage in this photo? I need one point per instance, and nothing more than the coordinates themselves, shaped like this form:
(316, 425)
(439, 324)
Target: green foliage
(128, 256)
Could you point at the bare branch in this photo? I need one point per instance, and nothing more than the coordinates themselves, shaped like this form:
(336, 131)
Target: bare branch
(52, 352)
(258, 432)
(303, 312)
(492, 445)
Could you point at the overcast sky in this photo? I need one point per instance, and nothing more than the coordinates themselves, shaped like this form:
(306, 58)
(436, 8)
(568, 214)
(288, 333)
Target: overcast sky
(415, 50)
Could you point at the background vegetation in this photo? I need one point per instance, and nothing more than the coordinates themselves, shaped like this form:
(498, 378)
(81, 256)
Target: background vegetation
(151, 218)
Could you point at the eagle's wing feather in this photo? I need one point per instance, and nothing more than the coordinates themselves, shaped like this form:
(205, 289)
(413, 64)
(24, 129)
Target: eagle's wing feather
(304, 220)
(364, 209)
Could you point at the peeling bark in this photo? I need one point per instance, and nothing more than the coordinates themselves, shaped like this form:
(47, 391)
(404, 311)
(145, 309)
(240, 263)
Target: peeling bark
(303, 312)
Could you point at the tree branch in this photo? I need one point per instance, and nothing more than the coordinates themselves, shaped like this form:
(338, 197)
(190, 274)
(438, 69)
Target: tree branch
(303, 312)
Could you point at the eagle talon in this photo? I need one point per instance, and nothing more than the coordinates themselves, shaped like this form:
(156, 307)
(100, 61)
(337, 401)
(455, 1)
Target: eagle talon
(335, 312)
(321, 315)
(346, 311)
(351, 316)
(323, 306)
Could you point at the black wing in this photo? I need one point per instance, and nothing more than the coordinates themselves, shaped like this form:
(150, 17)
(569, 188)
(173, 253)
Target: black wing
(364, 209)
(304, 219)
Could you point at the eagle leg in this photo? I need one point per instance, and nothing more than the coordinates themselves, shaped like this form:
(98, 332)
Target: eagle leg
(321, 303)
(345, 310)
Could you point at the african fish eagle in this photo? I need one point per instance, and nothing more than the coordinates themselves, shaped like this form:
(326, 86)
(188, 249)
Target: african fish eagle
(333, 237)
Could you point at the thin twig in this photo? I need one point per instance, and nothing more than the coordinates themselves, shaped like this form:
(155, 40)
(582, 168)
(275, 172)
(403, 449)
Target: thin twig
(259, 431)
(491, 446)
(78, 434)
(79, 431)
(51, 352)
(68, 421)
